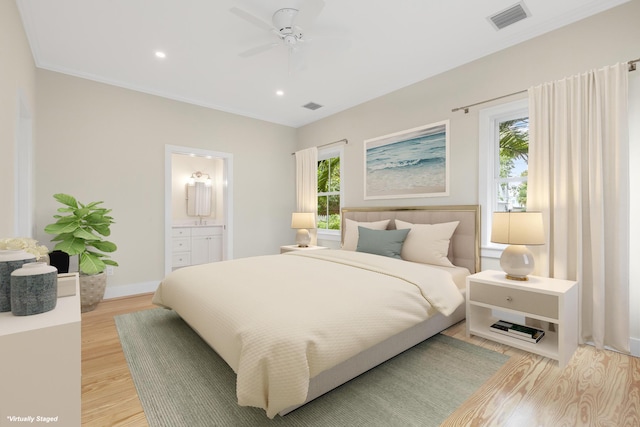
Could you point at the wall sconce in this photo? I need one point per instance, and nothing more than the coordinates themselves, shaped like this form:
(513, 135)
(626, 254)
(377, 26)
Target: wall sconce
(198, 176)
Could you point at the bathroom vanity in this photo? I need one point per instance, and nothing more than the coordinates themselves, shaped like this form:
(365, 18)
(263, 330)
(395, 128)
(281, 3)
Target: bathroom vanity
(192, 245)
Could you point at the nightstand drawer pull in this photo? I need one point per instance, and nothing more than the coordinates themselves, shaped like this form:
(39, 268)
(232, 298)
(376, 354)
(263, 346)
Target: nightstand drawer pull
(509, 299)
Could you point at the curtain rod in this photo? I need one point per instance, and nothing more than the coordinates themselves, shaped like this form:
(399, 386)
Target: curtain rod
(631, 64)
(346, 141)
(466, 107)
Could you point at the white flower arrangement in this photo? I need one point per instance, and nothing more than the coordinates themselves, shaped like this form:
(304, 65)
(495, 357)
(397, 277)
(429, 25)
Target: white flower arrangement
(25, 244)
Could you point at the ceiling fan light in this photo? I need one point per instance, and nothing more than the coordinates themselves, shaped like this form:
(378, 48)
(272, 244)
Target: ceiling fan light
(290, 40)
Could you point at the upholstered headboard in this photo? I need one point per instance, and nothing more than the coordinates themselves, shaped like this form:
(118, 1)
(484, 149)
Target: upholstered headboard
(464, 250)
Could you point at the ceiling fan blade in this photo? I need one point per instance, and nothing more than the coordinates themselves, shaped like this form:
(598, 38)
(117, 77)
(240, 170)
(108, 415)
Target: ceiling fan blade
(258, 49)
(297, 61)
(251, 19)
(309, 11)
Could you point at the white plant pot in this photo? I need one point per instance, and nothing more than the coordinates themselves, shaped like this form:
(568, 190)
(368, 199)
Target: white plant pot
(92, 289)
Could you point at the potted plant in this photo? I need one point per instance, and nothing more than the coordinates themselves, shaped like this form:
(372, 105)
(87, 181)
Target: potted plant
(80, 230)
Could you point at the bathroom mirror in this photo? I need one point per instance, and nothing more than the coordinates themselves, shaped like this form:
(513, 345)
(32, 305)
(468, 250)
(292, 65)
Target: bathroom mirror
(199, 196)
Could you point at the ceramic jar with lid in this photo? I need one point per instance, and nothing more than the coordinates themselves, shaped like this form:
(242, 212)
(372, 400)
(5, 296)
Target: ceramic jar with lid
(10, 260)
(34, 289)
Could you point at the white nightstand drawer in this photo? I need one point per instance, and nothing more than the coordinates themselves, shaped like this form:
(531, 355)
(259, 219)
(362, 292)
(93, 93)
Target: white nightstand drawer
(516, 299)
(181, 260)
(181, 244)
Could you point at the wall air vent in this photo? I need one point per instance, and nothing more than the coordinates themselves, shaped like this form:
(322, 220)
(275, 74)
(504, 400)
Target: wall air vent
(509, 16)
(312, 106)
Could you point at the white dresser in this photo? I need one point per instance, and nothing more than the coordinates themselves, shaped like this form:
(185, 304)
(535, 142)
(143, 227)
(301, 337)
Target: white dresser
(196, 245)
(40, 369)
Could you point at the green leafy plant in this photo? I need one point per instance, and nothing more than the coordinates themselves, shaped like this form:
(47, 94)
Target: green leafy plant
(81, 232)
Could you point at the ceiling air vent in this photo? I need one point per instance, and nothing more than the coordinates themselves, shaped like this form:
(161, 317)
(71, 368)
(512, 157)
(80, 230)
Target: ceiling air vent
(509, 16)
(312, 106)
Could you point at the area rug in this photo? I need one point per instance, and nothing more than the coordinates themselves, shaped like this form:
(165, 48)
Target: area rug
(181, 381)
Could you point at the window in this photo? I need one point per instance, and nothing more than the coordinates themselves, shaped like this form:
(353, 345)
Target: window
(503, 156)
(329, 192)
(513, 157)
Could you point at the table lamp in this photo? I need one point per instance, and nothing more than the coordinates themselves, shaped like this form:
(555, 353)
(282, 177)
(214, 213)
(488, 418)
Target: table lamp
(303, 221)
(517, 229)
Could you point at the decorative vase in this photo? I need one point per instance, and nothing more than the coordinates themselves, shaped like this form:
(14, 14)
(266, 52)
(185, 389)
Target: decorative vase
(59, 260)
(92, 287)
(10, 260)
(34, 289)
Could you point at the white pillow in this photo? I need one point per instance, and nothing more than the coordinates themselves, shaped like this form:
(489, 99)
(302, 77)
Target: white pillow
(350, 242)
(427, 243)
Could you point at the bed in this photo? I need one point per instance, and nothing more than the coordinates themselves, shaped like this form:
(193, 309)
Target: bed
(290, 334)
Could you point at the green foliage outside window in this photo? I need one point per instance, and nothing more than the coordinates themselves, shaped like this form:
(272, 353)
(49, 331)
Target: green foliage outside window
(329, 194)
(514, 148)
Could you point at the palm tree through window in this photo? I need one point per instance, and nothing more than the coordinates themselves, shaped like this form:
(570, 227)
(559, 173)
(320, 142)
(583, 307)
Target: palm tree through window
(513, 165)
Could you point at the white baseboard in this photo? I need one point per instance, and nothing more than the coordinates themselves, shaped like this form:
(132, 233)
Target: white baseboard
(132, 289)
(635, 346)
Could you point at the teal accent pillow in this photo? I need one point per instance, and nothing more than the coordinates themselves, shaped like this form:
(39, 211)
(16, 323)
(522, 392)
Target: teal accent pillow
(381, 242)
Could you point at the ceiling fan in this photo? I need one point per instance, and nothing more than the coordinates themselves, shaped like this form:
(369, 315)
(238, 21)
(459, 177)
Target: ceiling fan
(286, 26)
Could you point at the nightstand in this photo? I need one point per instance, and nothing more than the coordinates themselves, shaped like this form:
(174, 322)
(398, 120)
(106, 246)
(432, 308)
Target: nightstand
(290, 248)
(549, 300)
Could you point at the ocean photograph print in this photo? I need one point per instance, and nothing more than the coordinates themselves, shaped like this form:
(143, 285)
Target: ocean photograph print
(410, 163)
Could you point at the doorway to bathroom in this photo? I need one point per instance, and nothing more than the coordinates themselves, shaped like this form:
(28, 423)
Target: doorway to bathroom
(198, 206)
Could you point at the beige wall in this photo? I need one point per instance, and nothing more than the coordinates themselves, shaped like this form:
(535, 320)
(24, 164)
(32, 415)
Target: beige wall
(100, 142)
(604, 39)
(17, 85)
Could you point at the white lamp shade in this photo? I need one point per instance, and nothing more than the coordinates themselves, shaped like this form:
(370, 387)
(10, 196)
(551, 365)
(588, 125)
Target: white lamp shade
(517, 228)
(303, 220)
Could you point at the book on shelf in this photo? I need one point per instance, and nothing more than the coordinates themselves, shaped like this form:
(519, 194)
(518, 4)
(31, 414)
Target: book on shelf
(526, 333)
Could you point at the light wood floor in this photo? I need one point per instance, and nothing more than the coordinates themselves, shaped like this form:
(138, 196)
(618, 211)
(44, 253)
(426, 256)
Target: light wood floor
(598, 388)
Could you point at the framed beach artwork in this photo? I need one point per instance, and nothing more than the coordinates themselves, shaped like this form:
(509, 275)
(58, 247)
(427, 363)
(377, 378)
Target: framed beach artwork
(410, 163)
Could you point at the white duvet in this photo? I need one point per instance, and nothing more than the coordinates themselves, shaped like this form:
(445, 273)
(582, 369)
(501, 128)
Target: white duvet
(280, 320)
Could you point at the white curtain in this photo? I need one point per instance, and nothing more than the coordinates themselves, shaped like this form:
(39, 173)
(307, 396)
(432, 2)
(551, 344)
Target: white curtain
(578, 179)
(307, 184)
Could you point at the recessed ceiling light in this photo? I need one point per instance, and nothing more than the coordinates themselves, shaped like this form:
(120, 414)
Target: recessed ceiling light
(160, 54)
(280, 92)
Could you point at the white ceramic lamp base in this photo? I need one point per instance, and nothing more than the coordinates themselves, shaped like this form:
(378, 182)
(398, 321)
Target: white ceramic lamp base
(517, 262)
(303, 238)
